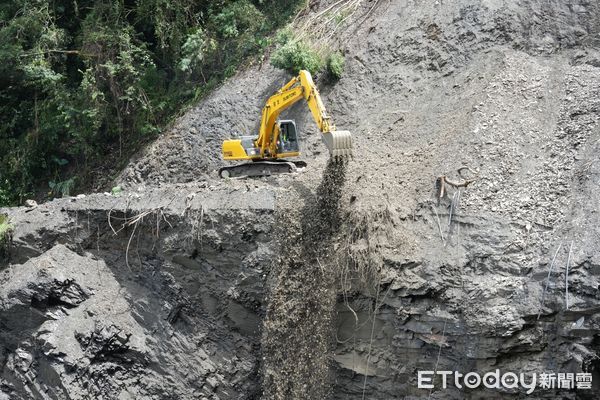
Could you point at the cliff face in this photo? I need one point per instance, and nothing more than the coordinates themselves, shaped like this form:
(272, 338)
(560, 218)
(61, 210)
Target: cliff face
(150, 296)
(340, 281)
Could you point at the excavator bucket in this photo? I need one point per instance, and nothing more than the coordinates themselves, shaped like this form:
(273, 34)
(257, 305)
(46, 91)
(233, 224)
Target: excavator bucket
(339, 143)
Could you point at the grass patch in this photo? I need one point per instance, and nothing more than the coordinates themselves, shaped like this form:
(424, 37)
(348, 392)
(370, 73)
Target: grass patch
(6, 230)
(335, 65)
(5, 227)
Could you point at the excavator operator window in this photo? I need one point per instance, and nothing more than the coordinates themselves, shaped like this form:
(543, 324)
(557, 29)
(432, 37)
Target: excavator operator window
(288, 139)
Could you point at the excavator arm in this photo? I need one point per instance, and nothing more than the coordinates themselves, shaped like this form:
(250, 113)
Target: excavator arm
(269, 129)
(266, 145)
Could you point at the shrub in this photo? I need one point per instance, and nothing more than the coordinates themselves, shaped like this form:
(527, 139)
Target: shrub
(335, 65)
(5, 228)
(296, 55)
(62, 188)
(237, 18)
(194, 50)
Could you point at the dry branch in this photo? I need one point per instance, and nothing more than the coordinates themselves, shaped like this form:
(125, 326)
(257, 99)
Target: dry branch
(567, 276)
(456, 184)
(443, 180)
(548, 280)
(439, 225)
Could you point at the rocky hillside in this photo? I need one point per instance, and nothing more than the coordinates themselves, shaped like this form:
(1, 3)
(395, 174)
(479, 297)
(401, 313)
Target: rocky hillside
(463, 236)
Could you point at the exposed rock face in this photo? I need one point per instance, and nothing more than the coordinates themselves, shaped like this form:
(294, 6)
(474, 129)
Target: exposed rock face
(169, 307)
(76, 325)
(401, 279)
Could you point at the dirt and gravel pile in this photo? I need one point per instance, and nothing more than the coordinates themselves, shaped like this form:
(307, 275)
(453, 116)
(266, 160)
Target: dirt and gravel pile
(401, 279)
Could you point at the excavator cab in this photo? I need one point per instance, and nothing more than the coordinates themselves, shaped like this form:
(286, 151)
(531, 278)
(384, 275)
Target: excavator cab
(288, 137)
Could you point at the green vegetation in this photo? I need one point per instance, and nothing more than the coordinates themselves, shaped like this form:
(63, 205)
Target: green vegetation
(5, 228)
(335, 65)
(5, 235)
(116, 191)
(294, 54)
(84, 83)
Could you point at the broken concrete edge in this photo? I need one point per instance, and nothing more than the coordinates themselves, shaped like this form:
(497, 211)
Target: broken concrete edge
(172, 199)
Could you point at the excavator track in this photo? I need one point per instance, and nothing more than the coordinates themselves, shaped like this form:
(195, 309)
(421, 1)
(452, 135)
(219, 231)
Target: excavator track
(261, 168)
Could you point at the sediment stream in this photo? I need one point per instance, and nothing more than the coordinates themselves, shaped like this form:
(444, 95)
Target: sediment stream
(298, 339)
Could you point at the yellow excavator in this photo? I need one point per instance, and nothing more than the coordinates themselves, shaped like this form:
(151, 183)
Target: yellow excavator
(278, 139)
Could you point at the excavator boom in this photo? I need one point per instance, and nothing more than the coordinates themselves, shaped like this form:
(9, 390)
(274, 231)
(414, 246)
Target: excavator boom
(278, 139)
